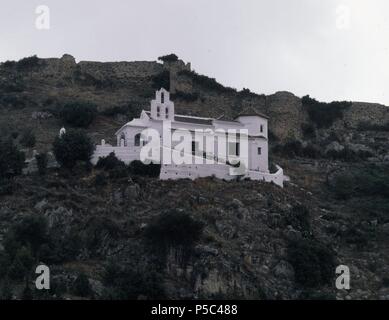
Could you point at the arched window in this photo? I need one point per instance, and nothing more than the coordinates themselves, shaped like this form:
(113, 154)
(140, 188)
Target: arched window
(158, 111)
(162, 97)
(167, 112)
(137, 140)
(123, 138)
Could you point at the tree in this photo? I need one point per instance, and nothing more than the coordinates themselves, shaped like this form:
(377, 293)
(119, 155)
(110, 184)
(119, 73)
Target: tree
(82, 286)
(11, 160)
(72, 146)
(169, 58)
(41, 161)
(313, 263)
(174, 228)
(27, 138)
(79, 114)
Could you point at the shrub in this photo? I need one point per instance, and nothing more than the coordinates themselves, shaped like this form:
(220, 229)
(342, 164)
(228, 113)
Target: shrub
(313, 263)
(130, 110)
(310, 151)
(246, 93)
(7, 186)
(22, 265)
(100, 180)
(324, 114)
(12, 101)
(79, 114)
(11, 160)
(348, 155)
(82, 286)
(72, 146)
(291, 148)
(174, 228)
(206, 82)
(61, 247)
(367, 126)
(308, 130)
(294, 148)
(161, 80)
(139, 168)
(41, 161)
(110, 162)
(188, 97)
(28, 64)
(169, 58)
(343, 186)
(298, 217)
(128, 283)
(27, 138)
(31, 232)
(9, 64)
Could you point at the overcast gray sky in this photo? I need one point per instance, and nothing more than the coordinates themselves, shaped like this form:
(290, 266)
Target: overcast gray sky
(330, 49)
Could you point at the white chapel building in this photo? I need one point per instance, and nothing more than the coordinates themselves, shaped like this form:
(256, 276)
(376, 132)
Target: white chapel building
(205, 134)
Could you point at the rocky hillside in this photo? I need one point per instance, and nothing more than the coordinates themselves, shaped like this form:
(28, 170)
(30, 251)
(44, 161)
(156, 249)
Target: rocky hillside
(114, 234)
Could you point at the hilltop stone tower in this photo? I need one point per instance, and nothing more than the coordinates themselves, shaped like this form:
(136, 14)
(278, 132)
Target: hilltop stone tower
(176, 84)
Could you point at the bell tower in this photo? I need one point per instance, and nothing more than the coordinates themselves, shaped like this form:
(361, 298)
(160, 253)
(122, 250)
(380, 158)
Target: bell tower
(161, 107)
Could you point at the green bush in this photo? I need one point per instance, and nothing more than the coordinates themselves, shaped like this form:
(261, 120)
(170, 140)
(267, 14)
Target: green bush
(81, 286)
(41, 161)
(348, 155)
(188, 97)
(149, 170)
(294, 148)
(7, 186)
(129, 283)
(28, 64)
(110, 162)
(61, 247)
(369, 181)
(343, 186)
(313, 263)
(299, 217)
(27, 138)
(22, 265)
(308, 130)
(31, 232)
(367, 126)
(79, 114)
(11, 160)
(174, 228)
(161, 80)
(100, 180)
(12, 101)
(71, 147)
(206, 82)
(324, 114)
(9, 64)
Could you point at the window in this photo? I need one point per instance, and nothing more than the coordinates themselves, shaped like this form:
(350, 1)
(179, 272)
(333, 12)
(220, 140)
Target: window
(234, 149)
(137, 140)
(122, 140)
(158, 111)
(261, 127)
(162, 97)
(259, 150)
(167, 112)
(193, 147)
